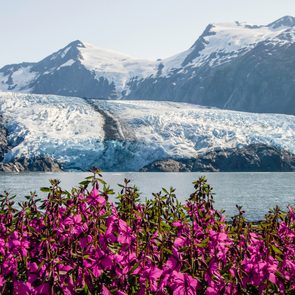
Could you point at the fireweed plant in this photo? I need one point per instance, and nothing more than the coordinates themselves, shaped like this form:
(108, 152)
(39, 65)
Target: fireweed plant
(79, 242)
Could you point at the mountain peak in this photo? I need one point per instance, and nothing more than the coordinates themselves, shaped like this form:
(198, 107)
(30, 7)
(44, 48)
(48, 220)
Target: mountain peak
(68, 53)
(77, 44)
(285, 21)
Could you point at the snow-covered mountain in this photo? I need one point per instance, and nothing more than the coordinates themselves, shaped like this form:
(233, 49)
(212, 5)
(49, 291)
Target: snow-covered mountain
(222, 42)
(231, 65)
(78, 69)
(120, 135)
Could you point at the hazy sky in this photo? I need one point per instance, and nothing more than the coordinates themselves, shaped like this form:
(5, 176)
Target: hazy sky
(32, 29)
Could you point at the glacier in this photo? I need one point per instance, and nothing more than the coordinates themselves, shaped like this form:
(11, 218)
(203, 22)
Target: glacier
(74, 131)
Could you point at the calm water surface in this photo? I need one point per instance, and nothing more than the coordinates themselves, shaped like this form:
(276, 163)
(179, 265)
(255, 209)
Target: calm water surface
(256, 192)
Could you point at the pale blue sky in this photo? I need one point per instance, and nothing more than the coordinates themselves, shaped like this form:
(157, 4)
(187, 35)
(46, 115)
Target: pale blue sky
(32, 29)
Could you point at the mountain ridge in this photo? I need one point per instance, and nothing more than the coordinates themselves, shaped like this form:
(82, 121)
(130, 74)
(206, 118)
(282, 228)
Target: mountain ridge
(231, 65)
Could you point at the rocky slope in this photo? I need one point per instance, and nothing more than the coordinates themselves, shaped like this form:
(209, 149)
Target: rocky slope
(40, 163)
(254, 157)
(3, 139)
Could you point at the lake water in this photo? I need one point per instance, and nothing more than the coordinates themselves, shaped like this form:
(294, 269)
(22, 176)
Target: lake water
(256, 192)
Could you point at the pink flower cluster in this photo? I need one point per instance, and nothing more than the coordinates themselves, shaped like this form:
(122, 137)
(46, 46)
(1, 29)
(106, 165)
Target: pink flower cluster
(81, 243)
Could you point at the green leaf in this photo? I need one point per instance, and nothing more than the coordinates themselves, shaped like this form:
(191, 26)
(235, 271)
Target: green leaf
(203, 244)
(164, 190)
(102, 181)
(85, 182)
(86, 290)
(134, 267)
(45, 189)
(276, 250)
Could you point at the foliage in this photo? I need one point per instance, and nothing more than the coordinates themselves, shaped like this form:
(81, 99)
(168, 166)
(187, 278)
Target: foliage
(79, 242)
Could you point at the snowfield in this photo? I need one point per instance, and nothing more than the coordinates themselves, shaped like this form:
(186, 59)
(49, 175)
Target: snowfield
(114, 66)
(73, 132)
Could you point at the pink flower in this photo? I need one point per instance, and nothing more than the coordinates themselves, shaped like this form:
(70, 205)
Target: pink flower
(125, 233)
(95, 198)
(85, 241)
(105, 291)
(184, 284)
(2, 281)
(153, 274)
(76, 223)
(180, 242)
(74, 220)
(212, 291)
(43, 289)
(22, 288)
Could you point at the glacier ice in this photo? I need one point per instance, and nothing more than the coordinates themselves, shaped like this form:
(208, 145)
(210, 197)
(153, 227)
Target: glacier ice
(72, 132)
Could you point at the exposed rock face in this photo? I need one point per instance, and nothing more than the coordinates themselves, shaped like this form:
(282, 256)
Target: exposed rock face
(3, 139)
(257, 158)
(168, 165)
(251, 158)
(43, 164)
(11, 167)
